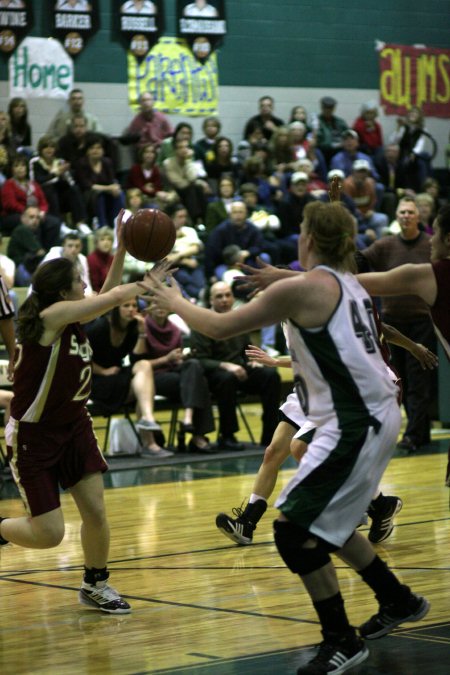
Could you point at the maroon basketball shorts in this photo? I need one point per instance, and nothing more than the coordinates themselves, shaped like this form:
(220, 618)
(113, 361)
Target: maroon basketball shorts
(44, 456)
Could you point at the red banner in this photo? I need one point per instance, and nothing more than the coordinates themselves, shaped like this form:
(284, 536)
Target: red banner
(415, 76)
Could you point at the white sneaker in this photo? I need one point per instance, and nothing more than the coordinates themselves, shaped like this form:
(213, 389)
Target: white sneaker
(103, 597)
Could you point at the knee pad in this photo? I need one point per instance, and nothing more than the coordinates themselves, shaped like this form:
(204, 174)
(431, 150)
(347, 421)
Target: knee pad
(290, 541)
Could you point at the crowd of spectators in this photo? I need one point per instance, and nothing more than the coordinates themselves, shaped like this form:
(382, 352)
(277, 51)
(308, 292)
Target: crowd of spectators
(228, 204)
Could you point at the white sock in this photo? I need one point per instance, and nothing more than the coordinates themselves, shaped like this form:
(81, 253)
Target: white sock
(254, 498)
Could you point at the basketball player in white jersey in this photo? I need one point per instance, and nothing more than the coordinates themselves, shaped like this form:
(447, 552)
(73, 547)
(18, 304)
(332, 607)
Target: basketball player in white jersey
(347, 393)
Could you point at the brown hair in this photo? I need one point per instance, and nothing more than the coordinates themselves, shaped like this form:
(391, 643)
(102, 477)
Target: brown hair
(332, 229)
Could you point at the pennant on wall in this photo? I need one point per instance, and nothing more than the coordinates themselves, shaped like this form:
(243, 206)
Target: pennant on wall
(73, 22)
(16, 20)
(202, 23)
(139, 23)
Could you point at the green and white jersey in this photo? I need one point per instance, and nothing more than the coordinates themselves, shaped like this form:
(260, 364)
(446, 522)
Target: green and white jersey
(338, 368)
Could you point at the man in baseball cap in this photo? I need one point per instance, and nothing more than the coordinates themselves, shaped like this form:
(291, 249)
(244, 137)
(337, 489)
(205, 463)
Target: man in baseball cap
(330, 128)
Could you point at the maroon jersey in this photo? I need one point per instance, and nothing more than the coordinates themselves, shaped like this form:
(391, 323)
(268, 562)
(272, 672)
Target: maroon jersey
(440, 312)
(53, 383)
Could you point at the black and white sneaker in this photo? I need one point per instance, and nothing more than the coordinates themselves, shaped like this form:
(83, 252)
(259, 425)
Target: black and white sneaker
(389, 616)
(103, 597)
(237, 529)
(382, 511)
(336, 656)
(240, 528)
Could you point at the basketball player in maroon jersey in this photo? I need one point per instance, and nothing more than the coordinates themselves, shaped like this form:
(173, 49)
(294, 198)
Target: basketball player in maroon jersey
(430, 281)
(49, 435)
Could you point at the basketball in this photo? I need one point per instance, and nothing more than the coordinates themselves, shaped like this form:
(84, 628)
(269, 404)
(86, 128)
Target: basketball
(149, 235)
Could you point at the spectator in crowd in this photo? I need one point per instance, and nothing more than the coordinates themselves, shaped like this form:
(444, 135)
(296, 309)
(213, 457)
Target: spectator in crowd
(297, 138)
(95, 175)
(19, 192)
(389, 170)
(100, 259)
(71, 249)
(432, 187)
(369, 131)
(316, 186)
(255, 170)
(360, 186)
(343, 198)
(411, 135)
(177, 376)
(427, 214)
(410, 316)
(149, 125)
(182, 175)
(223, 162)
(7, 268)
(282, 151)
(345, 158)
(218, 209)
(72, 145)
(204, 147)
(19, 125)
(7, 149)
(112, 339)
(182, 132)
(55, 178)
(228, 372)
(265, 121)
(184, 255)
(236, 229)
(25, 246)
(290, 213)
(330, 128)
(61, 123)
(145, 175)
(300, 114)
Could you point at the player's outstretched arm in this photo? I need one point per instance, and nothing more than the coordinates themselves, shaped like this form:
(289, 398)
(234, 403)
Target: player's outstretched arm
(259, 278)
(407, 279)
(427, 359)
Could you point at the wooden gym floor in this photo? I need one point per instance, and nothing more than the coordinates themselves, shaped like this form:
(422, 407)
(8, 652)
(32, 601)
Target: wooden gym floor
(202, 605)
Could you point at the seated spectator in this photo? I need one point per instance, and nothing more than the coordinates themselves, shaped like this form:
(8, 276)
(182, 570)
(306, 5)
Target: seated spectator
(25, 246)
(427, 214)
(290, 213)
(19, 192)
(204, 147)
(149, 125)
(299, 114)
(360, 186)
(71, 249)
(236, 229)
(146, 177)
(315, 186)
(56, 180)
(72, 146)
(102, 193)
(282, 152)
(112, 339)
(61, 123)
(369, 131)
(177, 376)
(254, 170)
(182, 175)
(7, 150)
(345, 158)
(330, 128)
(222, 163)
(218, 210)
(298, 139)
(20, 128)
(265, 121)
(183, 132)
(100, 259)
(190, 274)
(411, 136)
(228, 372)
(432, 187)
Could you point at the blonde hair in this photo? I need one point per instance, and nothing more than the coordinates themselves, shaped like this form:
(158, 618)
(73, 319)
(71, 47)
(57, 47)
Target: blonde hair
(332, 230)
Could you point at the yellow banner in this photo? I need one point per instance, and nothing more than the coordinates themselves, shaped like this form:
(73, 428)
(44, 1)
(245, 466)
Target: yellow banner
(179, 82)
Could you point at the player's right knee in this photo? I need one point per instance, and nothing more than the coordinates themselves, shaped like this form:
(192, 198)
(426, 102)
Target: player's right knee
(276, 453)
(300, 558)
(49, 537)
